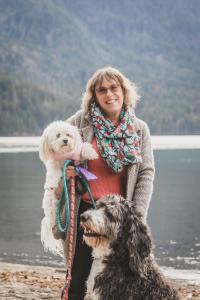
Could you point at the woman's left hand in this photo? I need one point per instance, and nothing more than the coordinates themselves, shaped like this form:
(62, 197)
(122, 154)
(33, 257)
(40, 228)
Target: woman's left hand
(70, 172)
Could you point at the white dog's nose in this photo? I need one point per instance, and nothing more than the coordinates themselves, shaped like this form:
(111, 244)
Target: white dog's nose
(65, 141)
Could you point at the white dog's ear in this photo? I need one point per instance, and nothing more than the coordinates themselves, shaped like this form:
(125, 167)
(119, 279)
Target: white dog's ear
(44, 148)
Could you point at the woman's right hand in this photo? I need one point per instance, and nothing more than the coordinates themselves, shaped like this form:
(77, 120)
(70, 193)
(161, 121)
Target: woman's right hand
(70, 173)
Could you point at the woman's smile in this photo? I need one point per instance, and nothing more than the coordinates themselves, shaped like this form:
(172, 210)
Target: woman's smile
(110, 96)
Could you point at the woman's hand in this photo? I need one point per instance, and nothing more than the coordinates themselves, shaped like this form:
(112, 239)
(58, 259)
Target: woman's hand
(70, 173)
(59, 189)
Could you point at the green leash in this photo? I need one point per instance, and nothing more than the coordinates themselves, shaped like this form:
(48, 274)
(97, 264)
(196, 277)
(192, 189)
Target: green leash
(65, 199)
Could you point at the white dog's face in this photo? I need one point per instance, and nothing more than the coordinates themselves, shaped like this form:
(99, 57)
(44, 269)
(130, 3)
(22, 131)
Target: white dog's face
(60, 140)
(59, 137)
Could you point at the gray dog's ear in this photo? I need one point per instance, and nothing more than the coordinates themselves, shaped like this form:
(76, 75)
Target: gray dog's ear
(139, 244)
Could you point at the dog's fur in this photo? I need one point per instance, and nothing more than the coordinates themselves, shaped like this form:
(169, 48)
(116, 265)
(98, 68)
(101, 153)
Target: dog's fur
(60, 141)
(123, 266)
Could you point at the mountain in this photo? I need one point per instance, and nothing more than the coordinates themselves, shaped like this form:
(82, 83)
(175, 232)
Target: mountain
(49, 49)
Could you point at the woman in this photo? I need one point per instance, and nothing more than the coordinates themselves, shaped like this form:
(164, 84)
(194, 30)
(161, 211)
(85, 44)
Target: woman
(125, 165)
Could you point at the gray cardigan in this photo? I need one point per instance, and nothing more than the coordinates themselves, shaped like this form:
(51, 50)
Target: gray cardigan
(140, 176)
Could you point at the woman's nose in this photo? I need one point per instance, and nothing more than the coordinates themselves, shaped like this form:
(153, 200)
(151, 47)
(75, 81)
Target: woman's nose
(109, 92)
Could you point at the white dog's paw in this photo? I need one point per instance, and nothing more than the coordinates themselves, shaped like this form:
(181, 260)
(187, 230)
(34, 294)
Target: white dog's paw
(88, 152)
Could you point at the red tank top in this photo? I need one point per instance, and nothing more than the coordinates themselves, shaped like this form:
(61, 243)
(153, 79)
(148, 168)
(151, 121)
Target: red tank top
(108, 181)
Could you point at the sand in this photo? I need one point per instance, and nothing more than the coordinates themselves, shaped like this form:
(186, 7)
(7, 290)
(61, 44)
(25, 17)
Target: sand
(34, 282)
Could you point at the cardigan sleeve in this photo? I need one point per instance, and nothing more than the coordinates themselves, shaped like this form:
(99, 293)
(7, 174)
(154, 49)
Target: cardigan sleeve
(76, 119)
(144, 183)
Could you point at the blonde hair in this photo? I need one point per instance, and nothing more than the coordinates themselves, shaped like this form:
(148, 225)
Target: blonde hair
(131, 96)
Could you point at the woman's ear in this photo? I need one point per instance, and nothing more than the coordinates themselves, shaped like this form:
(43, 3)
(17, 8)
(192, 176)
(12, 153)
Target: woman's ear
(139, 245)
(44, 148)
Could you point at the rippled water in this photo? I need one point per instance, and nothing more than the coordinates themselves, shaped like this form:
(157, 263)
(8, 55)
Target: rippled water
(173, 214)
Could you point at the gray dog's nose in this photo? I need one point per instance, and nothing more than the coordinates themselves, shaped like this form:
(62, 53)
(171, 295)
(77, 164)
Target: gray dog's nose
(84, 217)
(65, 141)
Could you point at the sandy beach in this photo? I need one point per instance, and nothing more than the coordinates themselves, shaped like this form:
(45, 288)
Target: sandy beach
(30, 282)
(35, 283)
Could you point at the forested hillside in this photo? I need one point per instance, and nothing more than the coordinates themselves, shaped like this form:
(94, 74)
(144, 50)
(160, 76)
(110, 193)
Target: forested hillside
(49, 48)
(26, 108)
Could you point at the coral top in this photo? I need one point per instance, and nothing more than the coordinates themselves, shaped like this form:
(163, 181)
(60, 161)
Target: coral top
(108, 182)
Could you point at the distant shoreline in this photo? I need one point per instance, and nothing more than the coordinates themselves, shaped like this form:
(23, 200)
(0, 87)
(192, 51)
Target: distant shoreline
(159, 142)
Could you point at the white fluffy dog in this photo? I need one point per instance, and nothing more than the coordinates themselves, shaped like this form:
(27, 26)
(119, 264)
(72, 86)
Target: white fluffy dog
(60, 141)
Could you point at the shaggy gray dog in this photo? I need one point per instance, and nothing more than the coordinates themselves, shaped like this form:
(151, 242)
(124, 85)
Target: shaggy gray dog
(123, 267)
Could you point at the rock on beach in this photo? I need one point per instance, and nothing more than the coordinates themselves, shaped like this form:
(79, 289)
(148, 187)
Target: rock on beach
(39, 283)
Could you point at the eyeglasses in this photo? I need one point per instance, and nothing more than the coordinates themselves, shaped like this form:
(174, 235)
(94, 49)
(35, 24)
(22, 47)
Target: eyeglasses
(113, 89)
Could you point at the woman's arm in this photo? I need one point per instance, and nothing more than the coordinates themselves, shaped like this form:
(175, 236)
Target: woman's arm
(77, 119)
(144, 183)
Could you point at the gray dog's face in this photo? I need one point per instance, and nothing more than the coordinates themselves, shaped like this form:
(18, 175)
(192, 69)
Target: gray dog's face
(101, 225)
(115, 224)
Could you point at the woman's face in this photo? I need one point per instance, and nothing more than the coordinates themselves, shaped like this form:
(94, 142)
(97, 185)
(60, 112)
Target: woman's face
(110, 97)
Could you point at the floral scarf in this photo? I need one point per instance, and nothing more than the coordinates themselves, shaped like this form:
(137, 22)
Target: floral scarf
(118, 145)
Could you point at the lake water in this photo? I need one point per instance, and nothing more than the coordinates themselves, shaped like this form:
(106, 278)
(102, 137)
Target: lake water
(173, 215)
